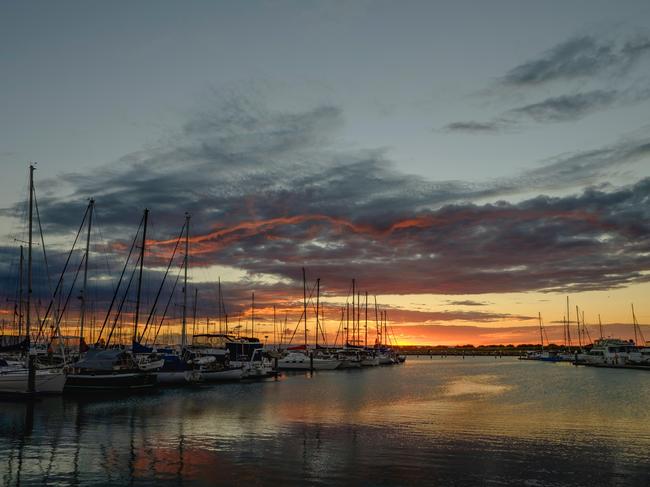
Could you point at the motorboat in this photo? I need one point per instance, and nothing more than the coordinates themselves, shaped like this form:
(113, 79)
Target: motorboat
(608, 351)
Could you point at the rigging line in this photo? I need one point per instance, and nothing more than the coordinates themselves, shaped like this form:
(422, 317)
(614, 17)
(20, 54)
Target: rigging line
(162, 284)
(336, 338)
(67, 300)
(301, 317)
(320, 324)
(119, 310)
(101, 239)
(119, 283)
(171, 294)
(65, 267)
(40, 229)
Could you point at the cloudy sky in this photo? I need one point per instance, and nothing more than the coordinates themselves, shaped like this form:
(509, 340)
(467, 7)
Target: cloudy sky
(469, 163)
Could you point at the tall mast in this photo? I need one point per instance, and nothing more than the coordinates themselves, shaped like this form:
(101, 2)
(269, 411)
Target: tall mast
(366, 330)
(31, 377)
(568, 322)
(347, 324)
(354, 327)
(304, 301)
(219, 303)
(29, 256)
(252, 314)
(196, 298)
(378, 331)
(20, 292)
(634, 324)
(600, 326)
(541, 334)
(185, 262)
(142, 250)
(82, 318)
(578, 323)
(317, 308)
(358, 317)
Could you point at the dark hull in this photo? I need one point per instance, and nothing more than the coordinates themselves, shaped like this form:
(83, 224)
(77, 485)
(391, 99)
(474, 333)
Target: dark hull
(131, 381)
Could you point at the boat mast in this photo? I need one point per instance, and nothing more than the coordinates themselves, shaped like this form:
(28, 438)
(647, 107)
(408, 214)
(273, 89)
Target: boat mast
(578, 323)
(354, 327)
(187, 248)
(636, 325)
(600, 326)
(196, 298)
(377, 329)
(366, 330)
(347, 324)
(568, 322)
(20, 292)
(82, 319)
(137, 300)
(304, 301)
(317, 307)
(252, 314)
(219, 304)
(541, 334)
(31, 378)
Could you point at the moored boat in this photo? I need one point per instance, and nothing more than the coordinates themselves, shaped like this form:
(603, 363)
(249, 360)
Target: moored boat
(108, 370)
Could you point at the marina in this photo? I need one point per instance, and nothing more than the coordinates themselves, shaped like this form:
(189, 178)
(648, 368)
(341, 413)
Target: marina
(305, 243)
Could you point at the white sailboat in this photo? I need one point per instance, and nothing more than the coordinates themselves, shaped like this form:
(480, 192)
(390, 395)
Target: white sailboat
(25, 378)
(300, 358)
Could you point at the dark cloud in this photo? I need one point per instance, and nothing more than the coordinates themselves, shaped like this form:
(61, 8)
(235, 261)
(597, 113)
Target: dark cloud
(578, 57)
(566, 107)
(562, 108)
(468, 302)
(473, 127)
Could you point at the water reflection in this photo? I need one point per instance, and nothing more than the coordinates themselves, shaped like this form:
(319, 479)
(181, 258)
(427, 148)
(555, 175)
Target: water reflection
(430, 421)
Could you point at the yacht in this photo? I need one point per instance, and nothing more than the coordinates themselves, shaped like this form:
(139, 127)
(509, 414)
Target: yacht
(640, 357)
(608, 351)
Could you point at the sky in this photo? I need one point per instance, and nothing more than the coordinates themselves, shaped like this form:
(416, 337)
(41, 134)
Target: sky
(470, 164)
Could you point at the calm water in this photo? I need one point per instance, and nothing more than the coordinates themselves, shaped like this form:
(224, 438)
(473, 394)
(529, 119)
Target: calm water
(477, 421)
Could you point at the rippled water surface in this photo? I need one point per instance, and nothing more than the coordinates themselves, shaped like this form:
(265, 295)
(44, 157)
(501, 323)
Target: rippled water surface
(478, 421)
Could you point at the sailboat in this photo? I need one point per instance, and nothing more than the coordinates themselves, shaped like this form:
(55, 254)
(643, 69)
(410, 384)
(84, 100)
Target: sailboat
(300, 357)
(112, 369)
(25, 378)
(172, 366)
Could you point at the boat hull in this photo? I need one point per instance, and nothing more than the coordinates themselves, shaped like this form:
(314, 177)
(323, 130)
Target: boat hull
(178, 378)
(370, 362)
(130, 381)
(46, 381)
(222, 375)
(305, 365)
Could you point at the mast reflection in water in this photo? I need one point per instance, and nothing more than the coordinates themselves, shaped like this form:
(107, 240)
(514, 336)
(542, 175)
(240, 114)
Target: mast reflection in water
(451, 421)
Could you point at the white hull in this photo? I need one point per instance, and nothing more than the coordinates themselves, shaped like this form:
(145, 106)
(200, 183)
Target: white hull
(370, 362)
(257, 371)
(14, 381)
(221, 375)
